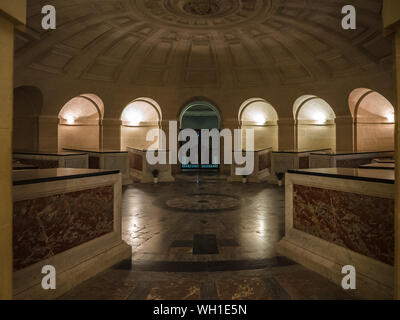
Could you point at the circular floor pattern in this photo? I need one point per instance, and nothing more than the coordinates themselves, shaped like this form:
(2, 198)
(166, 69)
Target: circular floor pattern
(204, 202)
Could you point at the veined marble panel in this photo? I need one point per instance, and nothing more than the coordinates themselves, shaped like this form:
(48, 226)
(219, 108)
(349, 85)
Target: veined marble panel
(361, 223)
(47, 226)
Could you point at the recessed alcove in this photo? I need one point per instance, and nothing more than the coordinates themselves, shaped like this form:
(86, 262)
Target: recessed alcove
(373, 118)
(138, 118)
(80, 123)
(259, 115)
(315, 123)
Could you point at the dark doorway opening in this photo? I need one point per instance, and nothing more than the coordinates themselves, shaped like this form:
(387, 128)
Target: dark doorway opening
(200, 115)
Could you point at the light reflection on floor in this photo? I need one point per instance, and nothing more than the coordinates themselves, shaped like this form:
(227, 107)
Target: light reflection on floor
(150, 226)
(246, 265)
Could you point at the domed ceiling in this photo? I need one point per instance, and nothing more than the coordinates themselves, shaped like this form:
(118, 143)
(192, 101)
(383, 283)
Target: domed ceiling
(202, 43)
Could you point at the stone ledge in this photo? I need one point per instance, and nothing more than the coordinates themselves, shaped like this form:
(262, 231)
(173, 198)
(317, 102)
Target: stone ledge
(79, 273)
(367, 287)
(14, 10)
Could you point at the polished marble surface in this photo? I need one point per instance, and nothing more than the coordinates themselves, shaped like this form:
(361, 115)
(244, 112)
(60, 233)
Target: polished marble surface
(302, 151)
(384, 160)
(345, 153)
(382, 166)
(88, 150)
(290, 282)
(150, 226)
(204, 202)
(21, 166)
(50, 153)
(359, 222)
(46, 226)
(242, 264)
(44, 175)
(373, 175)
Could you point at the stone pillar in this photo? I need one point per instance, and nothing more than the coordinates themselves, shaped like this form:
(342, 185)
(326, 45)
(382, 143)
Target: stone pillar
(345, 134)
(391, 23)
(111, 131)
(287, 134)
(397, 143)
(48, 133)
(11, 13)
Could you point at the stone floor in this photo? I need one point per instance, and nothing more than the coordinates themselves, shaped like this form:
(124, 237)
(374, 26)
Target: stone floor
(291, 282)
(204, 238)
(159, 232)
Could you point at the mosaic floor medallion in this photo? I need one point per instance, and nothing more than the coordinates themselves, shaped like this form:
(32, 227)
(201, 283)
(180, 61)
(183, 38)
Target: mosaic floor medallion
(204, 202)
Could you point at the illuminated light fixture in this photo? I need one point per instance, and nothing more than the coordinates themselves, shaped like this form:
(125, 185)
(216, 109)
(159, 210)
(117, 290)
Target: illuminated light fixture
(132, 117)
(390, 117)
(134, 123)
(261, 121)
(70, 119)
(259, 118)
(319, 118)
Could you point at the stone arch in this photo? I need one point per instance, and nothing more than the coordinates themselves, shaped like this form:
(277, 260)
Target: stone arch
(373, 120)
(137, 119)
(200, 108)
(315, 126)
(259, 115)
(80, 123)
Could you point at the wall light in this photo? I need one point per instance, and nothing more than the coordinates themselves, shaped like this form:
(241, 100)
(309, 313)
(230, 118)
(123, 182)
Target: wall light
(259, 118)
(319, 117)
(134, 123)
(132, 117)
(70, 119)
(390, 117)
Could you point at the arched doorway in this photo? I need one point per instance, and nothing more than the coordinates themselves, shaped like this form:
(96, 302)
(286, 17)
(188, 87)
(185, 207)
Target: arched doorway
(198, 115)
(374, 121)
(28, 103)
(80, 123)
(138, 118)
(261, 116)
(315, 123)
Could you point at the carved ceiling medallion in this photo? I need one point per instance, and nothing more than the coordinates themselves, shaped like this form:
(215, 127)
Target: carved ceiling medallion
(205, 13)
(206, 7)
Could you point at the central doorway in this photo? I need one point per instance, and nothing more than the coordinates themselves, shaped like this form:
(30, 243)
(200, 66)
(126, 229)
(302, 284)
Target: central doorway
(198, 115)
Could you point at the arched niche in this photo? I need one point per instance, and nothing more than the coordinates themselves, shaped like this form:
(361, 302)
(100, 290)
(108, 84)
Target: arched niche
(315, 123)
(374, 120)
(28, 102)
(261, 116)
(138, 118)
(80, 123)
(199, 115)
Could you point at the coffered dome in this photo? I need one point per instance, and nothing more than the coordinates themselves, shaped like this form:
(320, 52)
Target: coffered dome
(273, 49)
(203, 42)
